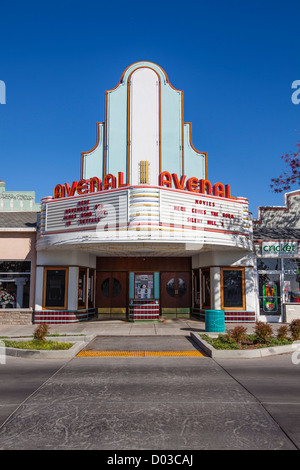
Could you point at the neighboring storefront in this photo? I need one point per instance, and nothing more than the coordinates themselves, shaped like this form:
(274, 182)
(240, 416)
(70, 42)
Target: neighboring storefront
(144, 232)
(18, 221)
(276, 235)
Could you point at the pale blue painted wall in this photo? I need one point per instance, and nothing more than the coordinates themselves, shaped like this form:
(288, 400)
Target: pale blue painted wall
(93, 161)
(171, 133)
(194, 162)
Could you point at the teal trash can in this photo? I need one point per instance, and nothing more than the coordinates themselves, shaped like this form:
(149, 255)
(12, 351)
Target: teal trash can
(215, 321)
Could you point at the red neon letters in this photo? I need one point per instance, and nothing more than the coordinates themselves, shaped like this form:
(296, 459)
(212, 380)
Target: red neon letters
(165, 179)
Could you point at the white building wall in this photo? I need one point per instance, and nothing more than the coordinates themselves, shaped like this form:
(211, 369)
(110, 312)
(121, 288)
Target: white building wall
(215, 279)
(39, 288)
(73, 288)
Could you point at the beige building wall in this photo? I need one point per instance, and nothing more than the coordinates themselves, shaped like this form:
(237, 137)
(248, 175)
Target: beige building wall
(20, 245)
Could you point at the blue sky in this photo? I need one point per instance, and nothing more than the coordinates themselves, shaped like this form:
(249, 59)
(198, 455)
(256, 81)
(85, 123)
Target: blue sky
(234, 59)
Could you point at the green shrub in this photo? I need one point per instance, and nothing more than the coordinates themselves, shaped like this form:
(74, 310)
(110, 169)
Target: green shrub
(295, 329)
(282, 332)
(237, 334)
(263, 332)
(41, 331)
(222, 342)
(36, 344)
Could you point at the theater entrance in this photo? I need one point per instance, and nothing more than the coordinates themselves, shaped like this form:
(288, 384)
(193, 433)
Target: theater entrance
(175, 294)
(136, 288)
(111, 295)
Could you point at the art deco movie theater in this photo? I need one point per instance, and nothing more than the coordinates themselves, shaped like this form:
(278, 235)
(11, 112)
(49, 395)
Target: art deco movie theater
(143, 232)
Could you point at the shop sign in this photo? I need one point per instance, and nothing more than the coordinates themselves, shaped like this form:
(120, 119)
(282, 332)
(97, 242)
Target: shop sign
(279, 249)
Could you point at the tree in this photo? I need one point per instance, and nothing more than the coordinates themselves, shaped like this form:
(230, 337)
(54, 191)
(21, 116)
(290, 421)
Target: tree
(287, 179)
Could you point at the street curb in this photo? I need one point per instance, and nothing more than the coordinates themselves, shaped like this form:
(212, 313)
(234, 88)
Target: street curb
(54, 354)
(239, 354)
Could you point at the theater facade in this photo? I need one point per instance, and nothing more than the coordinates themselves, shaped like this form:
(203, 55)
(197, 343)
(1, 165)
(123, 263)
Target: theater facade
(144, 233)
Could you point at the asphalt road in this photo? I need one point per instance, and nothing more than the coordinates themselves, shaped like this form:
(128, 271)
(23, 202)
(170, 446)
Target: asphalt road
(150, 403)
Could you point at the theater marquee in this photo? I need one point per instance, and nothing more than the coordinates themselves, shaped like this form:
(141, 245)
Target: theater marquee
(151, 212)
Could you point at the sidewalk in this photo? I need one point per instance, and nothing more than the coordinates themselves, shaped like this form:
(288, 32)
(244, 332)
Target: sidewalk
(117, 327)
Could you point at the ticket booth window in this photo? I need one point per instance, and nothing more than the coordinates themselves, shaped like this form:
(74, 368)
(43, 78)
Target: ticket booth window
(144, 286)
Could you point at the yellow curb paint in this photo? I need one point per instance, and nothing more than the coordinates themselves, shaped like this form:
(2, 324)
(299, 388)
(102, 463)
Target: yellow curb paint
(139, 354)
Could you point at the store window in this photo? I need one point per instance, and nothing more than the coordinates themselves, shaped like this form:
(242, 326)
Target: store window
(15, 284)
(291, 280)
(269, 264)
(269, 293)
(55, 290)
(233, 288)
(205, 288)
(279, 282)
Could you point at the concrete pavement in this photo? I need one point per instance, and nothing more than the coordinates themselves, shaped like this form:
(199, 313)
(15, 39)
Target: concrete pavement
(117, 327)
(150, 404)
(134, 403)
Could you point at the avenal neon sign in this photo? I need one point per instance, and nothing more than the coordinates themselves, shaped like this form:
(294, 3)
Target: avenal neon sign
(165, 179)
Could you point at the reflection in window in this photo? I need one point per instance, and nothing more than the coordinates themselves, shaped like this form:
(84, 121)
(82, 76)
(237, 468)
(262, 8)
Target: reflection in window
(291, 282)
(181, 287)
(269, 264)
(233, 289)
(15, 284)
(288, 285)
(176, 289)
(105, 287)
(55, 295)
(269, 293)
(116, 287)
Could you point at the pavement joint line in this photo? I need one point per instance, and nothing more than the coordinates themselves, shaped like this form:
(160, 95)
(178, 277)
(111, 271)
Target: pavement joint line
(139, 354)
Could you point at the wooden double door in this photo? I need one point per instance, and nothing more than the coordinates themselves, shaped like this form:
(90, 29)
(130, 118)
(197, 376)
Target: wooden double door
(175, 290)
(111, 293)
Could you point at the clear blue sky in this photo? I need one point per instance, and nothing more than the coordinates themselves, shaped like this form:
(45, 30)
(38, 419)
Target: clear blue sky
(234, 59)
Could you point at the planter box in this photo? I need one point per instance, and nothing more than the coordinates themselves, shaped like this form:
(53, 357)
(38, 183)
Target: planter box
(238, 353)
(79, 342)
